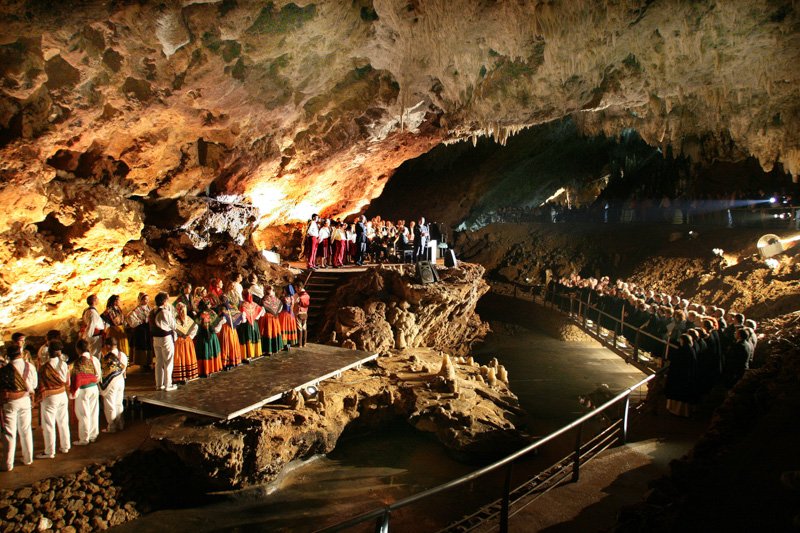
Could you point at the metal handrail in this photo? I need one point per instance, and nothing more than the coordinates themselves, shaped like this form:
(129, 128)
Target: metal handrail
(618, 321)
(384, 512)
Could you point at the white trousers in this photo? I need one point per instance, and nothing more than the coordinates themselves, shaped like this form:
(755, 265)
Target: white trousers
(55, 415)
(87, 411)
(165, 360)
(17, 421)
(112, 404)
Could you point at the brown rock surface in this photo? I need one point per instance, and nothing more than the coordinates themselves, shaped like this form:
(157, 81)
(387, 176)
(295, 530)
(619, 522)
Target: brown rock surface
(297, 107)
(386, 307)
(464, 413)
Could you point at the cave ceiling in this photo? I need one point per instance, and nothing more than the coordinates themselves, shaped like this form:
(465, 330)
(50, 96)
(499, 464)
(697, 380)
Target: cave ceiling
(297, 107)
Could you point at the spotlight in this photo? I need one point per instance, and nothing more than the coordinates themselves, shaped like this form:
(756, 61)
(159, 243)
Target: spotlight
(772, 263)
(693, 235)
(769, 245)
(718, 252)
(773, 200)
(309, 392)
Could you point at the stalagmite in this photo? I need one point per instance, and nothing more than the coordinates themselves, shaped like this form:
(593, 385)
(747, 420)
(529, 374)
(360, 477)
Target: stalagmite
(447, 369)
(502, 374)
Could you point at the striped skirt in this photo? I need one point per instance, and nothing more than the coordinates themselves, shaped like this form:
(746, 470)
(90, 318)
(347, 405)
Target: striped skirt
(208, 355)
(288, 327)
(185, 368)
(229, 347)
(249, 340)
(271, 337)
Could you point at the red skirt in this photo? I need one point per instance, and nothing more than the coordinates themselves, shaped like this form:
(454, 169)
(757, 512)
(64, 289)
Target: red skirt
(288, 327)
(185, 368)
(229, 347)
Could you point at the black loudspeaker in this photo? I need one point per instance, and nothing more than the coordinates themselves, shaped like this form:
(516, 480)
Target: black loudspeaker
(426, 272)
(450, 258)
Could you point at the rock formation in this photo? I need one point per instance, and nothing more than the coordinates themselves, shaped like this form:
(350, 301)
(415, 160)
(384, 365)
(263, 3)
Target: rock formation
(387, 307)
(113, 113)
(465, 415)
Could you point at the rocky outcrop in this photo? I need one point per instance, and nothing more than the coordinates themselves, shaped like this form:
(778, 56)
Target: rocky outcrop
(468, 412)
(387, 307)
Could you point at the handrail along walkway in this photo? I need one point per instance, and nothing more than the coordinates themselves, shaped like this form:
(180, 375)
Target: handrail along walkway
(615, 432)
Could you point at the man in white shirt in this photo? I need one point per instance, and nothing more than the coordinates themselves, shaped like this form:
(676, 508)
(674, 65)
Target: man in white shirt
(312, 234)
(163, 330)
(43, 355)
(112, 387)
(18, 381)
(83, 378)
(53, 383)
(93, 326)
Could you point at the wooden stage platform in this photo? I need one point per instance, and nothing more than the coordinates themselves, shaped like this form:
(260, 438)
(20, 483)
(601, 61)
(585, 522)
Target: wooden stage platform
(226, 395)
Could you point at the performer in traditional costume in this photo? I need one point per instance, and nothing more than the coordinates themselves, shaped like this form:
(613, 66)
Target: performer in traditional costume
(206, 343)
(198, 296)
(255, 290)
(288, 322)
(115, 324)
(112, 387)
(83, 378)
(185, 356)
(162, 327)
(234, 290)
(54, 409)
(249, 336)
(187, 300)
(214, 293)
(228, 339)
(302, 301)
(270, 326)
(142, 341)
(18, 381)
(92, 326)
(43, 355)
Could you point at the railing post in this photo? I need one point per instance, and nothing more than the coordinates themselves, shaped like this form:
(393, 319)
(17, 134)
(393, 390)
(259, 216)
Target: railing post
(506, 503)
(382, 525)
(571, 302)
(625, 409)
(636, 345)
(576, 463)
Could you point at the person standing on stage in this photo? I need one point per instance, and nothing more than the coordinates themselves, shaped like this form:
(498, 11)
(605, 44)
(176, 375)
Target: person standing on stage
(255, 290)
(115, 324)
(112, 386)
(312, 234)
(249, 336)
(339, 241)
(162, 327)
(185, 367)
(92, 326)
(83, 378)
(421, 238)
(361, 239)
(324, 243)
(54, 409)
(18, 381)
(187, 300)
(142, 341)
(302, 301)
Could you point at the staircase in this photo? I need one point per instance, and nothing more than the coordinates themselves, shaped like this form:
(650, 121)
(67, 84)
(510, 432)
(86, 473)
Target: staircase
(321, 285)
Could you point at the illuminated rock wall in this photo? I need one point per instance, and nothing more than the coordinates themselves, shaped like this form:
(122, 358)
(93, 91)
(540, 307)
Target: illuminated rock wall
(303, 107)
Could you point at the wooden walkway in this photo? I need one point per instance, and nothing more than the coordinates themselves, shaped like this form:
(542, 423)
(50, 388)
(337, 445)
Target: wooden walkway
(226, 395)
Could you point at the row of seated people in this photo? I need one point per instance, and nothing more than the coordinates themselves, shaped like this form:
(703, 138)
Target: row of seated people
(704, 344)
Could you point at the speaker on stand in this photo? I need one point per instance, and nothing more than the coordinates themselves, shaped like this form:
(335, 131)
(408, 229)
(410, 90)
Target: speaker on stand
(426, 272)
